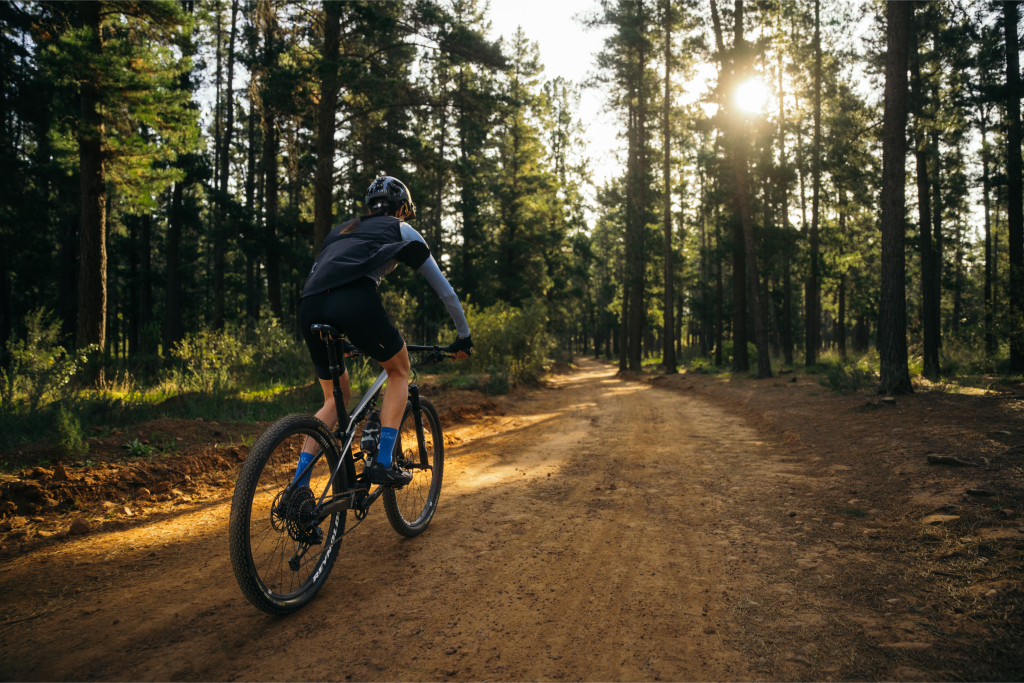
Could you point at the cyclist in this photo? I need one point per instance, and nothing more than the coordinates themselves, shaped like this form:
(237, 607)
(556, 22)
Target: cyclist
(342, 291)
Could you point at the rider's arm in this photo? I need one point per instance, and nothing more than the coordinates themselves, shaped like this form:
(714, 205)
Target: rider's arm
(439, 282)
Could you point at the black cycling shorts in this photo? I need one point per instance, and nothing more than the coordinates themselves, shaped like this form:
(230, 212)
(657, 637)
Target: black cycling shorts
(357, 310)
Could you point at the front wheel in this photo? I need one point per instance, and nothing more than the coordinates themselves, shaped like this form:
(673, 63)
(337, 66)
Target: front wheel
(411, 507)
(281, 554)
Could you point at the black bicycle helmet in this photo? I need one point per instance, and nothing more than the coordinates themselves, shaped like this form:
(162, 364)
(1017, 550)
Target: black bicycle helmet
(386, 191)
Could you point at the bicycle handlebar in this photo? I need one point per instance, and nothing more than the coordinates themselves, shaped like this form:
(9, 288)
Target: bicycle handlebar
(437, 353)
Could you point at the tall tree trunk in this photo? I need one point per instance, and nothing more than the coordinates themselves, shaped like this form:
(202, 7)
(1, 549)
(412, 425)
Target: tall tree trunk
(624, 328)
(740, 355)
(787, 284)
(132, 309)
(719, 294)
(958, 263)
(323, 199)
(936, 257)
(145, 312)
(841, 315)
(173, 327)
(270, 181)
(669, 351)
(252, 307)
(813, 338)
(990, 337)
(638, 261)
(929, 305)
(757, 309)
(224, 157)
(892, 314)
(92, 273)
(1015, 193)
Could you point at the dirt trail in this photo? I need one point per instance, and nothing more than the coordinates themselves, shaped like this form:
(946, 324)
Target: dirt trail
(586, 538)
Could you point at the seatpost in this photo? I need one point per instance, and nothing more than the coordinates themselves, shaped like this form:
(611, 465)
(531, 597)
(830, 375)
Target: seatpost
(339, 398)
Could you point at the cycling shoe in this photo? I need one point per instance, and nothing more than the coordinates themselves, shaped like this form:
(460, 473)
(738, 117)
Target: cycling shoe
(392, 476)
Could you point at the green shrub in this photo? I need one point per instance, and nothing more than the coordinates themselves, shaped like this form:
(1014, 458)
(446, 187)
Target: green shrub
(513, 340)
(499, 382)
(137, 449)
(848, 378)
(271, 351)
(727, 348)
(208, 357)
(69, 434)
(40, 369)
(701, 365)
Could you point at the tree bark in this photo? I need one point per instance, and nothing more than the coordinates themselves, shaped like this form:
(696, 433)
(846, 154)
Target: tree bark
(764, 367)
(813, 290)
(990, 337)
(252, 307)
(133, 308)
(637, 258)
(669, 352)
(841, 315)
(270, 181)
(719, 294)
(740, 355)
(219, 238)
(92, 273)
(145, 312)
(787, 284)
(929, 305)
(1015, 193)
(323, 199)
(624, 328)
(892, 316)
(936, 257)
(173, 331)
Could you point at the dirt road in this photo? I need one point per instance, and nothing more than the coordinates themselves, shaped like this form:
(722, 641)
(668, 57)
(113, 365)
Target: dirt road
(581, 539)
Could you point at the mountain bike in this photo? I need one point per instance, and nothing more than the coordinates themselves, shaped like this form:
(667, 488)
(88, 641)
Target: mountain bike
(284, 533)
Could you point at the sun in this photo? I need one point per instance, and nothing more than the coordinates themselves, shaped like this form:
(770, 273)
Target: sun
(752, 96)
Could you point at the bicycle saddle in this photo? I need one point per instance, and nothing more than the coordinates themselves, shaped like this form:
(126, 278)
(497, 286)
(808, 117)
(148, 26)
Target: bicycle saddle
(325, 331)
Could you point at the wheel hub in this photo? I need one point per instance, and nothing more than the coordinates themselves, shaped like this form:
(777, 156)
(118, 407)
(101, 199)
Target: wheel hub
(295, 514)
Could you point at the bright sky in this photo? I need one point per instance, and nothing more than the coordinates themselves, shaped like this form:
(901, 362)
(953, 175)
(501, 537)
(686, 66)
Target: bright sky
(566, 50)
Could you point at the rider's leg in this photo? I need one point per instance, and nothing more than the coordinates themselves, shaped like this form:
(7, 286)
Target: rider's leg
(397, 392)
(328, 413)
(395, 399)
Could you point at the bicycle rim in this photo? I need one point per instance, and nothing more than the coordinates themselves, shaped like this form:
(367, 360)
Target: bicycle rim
(284, 556)
(411, 507)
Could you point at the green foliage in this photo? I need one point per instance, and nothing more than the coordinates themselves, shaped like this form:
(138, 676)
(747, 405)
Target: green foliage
(498, 383)
(727, 348)
(208, 357)
(849, 375)
(40, 369)
(137, 449)
(69, 434)
(513, 340)
(271, 351)
(701, 365)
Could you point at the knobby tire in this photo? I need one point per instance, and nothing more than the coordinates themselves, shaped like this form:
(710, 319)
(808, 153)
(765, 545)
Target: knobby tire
(411, 507)
(256, 543)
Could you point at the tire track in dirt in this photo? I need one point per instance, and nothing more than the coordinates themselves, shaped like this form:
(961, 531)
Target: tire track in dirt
(569, 543)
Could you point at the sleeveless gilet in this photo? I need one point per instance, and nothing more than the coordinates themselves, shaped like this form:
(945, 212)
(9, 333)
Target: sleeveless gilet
(346, 258)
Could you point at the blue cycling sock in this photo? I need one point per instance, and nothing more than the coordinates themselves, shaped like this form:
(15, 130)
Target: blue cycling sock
(304, 459)
(388, 436)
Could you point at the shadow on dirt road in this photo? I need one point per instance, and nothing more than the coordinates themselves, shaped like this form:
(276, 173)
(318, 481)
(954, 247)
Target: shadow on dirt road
(583, 538)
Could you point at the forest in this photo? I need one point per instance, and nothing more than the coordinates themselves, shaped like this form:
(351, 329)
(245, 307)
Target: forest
(802, 185)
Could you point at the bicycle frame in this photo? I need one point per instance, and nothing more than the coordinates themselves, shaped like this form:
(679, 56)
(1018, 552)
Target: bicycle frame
(347, 499)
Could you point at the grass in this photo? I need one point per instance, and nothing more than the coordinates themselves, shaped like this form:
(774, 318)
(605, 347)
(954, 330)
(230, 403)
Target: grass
(124, 403)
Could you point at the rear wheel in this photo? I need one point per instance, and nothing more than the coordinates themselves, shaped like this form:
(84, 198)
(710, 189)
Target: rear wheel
(281, 554)
(411, 507)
